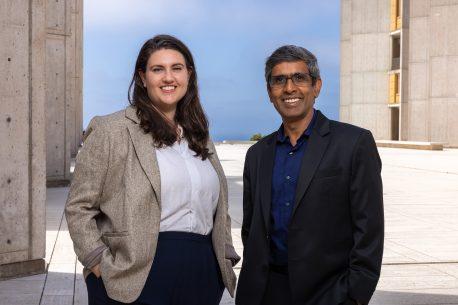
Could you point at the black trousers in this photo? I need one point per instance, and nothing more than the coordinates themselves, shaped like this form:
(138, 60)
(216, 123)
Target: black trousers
(184, 272)
(278, 291)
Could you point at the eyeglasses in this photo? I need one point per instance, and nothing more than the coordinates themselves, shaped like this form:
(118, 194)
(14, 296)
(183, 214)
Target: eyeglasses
(299, 79)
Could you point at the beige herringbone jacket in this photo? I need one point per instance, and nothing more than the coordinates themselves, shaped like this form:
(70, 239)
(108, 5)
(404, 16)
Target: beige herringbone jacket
(114, 205)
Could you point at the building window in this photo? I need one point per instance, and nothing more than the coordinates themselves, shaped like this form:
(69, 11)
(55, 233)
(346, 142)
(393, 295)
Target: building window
(394, 89)
(395, 15)
(396, 54)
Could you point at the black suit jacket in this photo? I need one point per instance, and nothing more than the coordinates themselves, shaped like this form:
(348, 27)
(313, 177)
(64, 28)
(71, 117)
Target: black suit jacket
(335, 238)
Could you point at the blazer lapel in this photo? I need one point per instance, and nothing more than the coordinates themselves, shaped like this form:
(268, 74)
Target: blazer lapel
(266, 166)
(146, 152)
(318, 142)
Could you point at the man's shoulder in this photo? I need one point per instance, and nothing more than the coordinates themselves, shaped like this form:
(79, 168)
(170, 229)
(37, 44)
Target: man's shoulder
(347, 130)
(260, 145)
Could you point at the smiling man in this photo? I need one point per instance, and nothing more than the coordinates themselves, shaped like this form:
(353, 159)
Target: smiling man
(312, 200)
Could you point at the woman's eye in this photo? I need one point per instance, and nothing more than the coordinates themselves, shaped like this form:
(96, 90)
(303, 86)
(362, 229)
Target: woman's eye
(177, 68)
(156, 70)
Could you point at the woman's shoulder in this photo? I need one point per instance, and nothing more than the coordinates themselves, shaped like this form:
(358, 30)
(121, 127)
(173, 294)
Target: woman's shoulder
(109, 124)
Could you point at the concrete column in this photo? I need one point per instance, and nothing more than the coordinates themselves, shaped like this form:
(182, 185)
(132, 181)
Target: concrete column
(22, 134)
(64, 27)
(365, 62)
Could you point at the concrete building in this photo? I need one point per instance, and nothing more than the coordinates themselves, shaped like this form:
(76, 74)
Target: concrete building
(40, 119)
(399, 68)
(64, 105)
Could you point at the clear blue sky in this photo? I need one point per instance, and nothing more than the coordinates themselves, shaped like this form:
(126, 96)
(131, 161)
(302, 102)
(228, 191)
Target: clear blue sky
(230, 41)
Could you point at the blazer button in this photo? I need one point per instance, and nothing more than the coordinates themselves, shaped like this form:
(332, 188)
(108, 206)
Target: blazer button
(267, 236)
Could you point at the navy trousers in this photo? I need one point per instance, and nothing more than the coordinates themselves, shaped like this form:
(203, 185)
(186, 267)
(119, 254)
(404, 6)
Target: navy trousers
(184, 272)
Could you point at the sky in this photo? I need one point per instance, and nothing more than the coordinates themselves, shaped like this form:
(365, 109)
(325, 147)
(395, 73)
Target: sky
(230, 41)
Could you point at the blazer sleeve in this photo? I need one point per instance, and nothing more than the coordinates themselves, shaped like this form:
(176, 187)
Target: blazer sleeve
(247, 201)
(366, 200)
(229, 250)
(82, 205)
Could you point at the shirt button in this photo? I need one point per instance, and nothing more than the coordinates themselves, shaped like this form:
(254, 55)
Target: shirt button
(287, 204)
(291, 152)
(288, 177)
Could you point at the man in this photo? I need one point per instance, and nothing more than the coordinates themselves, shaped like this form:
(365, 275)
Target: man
(312, 200)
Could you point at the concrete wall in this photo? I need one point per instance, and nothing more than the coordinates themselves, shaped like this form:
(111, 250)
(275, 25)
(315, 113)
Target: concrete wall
(433, 71)
(22, 137)
(365, 62)
(64, 26)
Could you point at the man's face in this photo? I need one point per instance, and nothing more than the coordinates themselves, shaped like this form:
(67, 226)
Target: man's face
(295, 98)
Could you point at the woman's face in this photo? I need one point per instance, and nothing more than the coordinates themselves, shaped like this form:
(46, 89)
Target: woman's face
(166, 79)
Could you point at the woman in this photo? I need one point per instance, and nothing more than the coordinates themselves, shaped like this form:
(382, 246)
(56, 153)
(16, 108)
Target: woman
(147, 209)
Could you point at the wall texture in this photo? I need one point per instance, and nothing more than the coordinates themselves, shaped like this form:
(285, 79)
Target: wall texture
(433, 71)
(428, 66)
(64, 27)
(22, 134)
(365, 62)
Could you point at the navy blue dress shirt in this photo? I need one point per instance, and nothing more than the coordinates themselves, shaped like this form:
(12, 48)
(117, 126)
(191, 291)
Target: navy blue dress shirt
(285, 174)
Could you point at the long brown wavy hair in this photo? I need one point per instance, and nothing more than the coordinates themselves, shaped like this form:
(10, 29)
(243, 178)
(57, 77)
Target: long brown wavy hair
(189, 113)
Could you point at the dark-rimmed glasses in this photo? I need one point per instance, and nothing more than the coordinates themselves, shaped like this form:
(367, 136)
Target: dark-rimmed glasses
(299, 79)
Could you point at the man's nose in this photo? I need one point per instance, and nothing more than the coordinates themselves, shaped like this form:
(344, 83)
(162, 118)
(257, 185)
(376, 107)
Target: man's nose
(289, 86)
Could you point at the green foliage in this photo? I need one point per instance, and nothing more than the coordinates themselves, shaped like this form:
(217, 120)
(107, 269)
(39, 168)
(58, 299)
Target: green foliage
(256, 137)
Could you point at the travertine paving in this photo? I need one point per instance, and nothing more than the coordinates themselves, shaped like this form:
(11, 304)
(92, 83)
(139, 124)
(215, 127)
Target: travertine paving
(421, 247)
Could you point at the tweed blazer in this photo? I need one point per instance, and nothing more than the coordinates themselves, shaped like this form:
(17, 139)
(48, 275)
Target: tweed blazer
(114, 206)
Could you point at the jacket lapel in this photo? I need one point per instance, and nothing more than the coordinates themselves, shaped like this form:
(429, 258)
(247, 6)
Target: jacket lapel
(146, 152)
(316, 148)
(266, 166)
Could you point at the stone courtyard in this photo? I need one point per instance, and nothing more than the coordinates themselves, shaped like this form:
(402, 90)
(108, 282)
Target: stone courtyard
(420, 265)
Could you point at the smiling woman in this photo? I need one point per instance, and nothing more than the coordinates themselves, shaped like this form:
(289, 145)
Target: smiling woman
(148, 206)
(163, 89)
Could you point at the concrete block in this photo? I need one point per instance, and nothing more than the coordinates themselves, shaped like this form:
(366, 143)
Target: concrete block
(382, 90)
(420, 8)
(419, 39)
(346, 20)
(418, 81)
(369, 87)
(384, 16)
(418, 117)
(439, 120)
(371, 16)
(357, 16)
(22, 108)
(383, 58)
(357, 89)
(55, 15)
(452, 119)
(346, 57)
(438, 31)
(345, 90)
(383, 122)
(452, 77)
(55, 107)
(345, 112)
(439, 78)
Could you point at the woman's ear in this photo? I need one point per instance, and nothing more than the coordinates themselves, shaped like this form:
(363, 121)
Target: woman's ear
(142, 76)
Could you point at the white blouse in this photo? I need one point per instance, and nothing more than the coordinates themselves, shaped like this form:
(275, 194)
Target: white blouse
(189, 190)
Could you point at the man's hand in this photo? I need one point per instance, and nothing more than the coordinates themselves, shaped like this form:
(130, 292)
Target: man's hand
(96, 270)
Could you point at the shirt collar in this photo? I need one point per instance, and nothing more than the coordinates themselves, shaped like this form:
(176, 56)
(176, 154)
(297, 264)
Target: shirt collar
(281, 137)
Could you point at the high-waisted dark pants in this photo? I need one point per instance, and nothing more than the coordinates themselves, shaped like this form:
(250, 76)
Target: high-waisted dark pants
(184, 272)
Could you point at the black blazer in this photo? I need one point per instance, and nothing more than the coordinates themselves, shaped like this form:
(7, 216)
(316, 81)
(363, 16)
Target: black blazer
(335, 239)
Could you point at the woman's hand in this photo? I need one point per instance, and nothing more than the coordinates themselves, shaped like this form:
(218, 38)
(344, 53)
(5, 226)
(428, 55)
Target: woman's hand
(96, 270)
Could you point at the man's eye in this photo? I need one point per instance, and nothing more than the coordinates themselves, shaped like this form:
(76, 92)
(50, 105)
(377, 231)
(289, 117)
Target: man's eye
(300, 77)
(278, 79)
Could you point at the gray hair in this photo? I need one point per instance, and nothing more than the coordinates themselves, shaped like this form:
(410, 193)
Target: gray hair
(291, 53)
